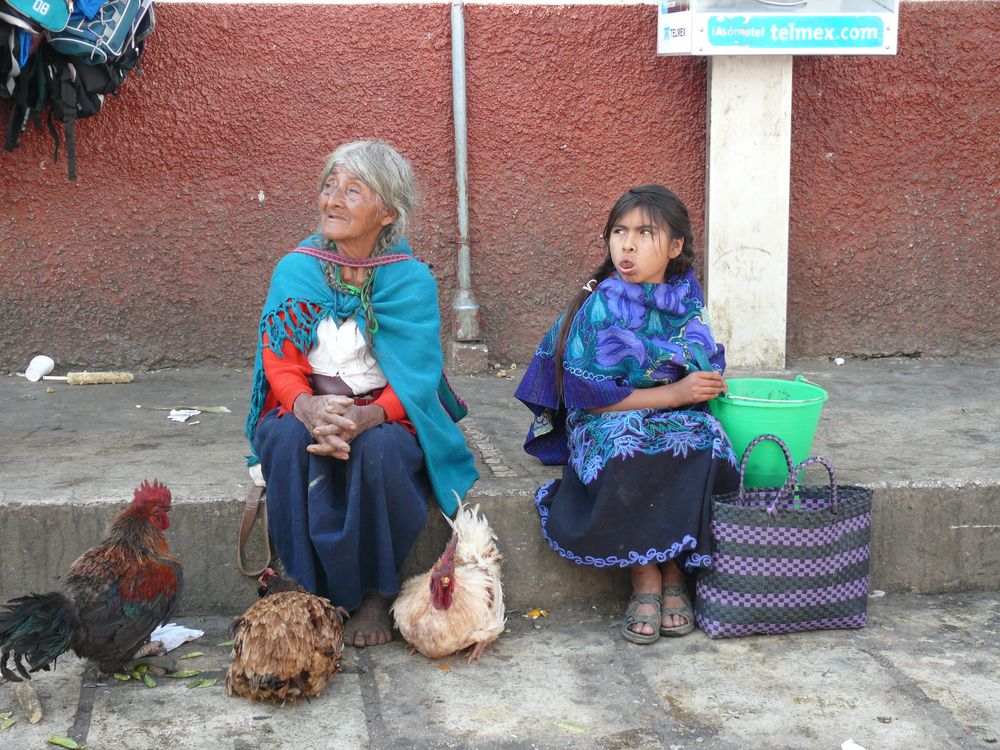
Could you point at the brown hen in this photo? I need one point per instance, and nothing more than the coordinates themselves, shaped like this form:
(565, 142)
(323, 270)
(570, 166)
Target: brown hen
(287, 645)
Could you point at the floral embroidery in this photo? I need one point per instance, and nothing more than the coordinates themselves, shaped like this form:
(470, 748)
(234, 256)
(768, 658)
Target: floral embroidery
(595, 439)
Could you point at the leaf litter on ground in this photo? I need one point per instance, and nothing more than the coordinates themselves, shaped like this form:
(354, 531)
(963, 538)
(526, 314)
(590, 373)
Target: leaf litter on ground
(182, 673)
(192, 655)
(67, 742)
(208, 409)
(202, 683)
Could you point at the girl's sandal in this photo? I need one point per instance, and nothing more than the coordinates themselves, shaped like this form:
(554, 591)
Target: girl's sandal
(685, 610)
(631, 618)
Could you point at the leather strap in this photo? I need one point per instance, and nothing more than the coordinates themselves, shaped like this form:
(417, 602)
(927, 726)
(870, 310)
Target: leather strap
(329, 385)
(332, 385)
(255, 506)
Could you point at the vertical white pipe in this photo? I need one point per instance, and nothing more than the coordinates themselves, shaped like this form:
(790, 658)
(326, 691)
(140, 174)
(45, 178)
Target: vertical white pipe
(465, 309)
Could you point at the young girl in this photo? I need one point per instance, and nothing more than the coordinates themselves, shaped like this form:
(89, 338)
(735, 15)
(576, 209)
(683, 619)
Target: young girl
(619, 389)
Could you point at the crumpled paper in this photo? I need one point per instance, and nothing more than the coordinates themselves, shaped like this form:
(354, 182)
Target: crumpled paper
(173, 635)
(182, 415)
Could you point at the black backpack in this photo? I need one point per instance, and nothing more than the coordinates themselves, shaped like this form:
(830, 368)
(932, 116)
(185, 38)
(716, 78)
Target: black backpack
(73, 87)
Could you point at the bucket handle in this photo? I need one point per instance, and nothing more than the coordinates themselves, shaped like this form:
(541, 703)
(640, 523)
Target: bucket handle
(798, 379)
(786, 489)
(741, 495)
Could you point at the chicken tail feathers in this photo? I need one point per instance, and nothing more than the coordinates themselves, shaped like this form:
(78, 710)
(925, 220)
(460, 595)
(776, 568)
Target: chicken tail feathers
(34, 630)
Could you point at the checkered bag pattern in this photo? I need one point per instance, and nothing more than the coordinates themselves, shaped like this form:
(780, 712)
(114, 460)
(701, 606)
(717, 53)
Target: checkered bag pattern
(787, 558)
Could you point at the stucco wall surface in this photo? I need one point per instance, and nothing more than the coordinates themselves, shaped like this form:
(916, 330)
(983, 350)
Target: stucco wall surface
(895, 192)
(568, 108)
(202, 173)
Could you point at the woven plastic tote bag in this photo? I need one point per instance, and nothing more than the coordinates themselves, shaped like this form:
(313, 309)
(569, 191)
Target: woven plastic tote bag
(786, 558)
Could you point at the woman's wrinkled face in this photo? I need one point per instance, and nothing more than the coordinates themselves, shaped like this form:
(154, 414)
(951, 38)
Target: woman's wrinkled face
(641, 249)
(350, 214)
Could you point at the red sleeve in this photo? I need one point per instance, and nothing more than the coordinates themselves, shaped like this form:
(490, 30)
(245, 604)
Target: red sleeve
(288, 374)
(391, 405)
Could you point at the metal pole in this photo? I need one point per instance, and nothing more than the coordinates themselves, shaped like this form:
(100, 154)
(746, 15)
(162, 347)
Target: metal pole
(465, 309)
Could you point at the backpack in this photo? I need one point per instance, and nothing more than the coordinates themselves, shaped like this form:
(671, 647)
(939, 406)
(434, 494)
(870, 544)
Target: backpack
(73, 85)
(37, 15)
(27, 88)
(102, 37)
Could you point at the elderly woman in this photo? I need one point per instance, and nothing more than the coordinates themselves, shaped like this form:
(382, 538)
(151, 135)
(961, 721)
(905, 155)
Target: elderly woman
(350, 416)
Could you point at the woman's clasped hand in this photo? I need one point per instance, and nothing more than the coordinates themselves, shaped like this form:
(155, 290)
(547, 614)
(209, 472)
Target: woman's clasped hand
(334, 422)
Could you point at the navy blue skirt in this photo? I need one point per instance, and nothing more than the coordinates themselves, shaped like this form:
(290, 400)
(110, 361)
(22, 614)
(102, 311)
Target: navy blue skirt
(343, 528)
(638, 489)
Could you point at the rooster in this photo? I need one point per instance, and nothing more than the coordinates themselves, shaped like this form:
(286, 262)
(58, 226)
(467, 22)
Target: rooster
(287, 645)
(457, 604)
(115, 595)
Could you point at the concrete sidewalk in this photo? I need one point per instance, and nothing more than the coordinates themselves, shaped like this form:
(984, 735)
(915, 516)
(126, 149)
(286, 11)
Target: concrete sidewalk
(922, 433)
(923, 674)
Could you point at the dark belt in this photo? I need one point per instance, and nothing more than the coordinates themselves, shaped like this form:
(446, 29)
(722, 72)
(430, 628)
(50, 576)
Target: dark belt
(332, 385)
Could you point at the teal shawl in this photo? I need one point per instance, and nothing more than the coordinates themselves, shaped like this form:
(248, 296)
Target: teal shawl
(406, 345)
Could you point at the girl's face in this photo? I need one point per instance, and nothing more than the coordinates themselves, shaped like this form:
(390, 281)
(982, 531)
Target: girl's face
(640, 249)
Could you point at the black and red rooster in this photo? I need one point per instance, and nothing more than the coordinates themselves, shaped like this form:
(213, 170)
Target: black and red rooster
(116, 594)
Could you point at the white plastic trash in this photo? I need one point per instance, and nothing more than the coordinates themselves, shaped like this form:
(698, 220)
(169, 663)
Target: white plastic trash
(39, 367)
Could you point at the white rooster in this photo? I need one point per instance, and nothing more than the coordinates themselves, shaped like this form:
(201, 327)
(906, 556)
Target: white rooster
(458, 603)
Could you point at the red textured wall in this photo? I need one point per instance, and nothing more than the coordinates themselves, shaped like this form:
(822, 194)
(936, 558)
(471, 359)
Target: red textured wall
(895, 192)
(568, 108)
(161, 252)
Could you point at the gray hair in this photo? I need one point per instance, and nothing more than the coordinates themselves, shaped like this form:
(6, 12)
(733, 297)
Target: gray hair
(387, 173)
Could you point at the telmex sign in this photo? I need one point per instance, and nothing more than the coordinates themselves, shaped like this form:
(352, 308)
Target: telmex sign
(759, 27)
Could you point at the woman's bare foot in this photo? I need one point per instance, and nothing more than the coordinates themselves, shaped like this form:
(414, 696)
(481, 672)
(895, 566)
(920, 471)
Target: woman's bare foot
(672, 578)
(371, 624)
(645, 580)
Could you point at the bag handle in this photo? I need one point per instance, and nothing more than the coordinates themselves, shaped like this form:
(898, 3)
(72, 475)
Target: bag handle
(251, 510)
(786, 488)
(741, 495)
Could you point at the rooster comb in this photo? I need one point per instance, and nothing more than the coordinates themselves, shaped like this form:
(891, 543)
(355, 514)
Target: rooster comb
(155, 492)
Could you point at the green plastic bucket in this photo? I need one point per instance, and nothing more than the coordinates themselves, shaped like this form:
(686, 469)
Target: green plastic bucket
(789, 409)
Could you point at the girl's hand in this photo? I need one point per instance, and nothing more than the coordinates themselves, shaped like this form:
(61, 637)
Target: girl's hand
(691, 389)
(697, 387)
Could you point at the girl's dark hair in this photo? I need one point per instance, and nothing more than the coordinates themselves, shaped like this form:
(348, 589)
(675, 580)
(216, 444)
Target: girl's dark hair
(665, 210)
